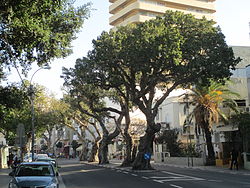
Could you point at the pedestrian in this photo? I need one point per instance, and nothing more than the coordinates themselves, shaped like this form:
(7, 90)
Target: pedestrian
(234, 159)
(10, 159)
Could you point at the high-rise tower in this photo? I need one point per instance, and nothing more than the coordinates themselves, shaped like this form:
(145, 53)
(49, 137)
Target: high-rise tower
(134, 11)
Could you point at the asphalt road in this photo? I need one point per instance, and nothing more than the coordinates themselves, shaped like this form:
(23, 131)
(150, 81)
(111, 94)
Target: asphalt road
(75, 175)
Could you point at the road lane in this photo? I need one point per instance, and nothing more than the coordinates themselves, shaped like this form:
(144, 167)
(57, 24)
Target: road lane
(94, 176)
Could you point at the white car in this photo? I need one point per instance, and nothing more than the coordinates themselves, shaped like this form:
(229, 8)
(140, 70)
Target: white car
(28, 157)
(41, 156)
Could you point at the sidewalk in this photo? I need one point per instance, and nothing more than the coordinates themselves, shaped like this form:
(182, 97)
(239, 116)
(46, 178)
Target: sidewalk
(163, 166)
(4, 177)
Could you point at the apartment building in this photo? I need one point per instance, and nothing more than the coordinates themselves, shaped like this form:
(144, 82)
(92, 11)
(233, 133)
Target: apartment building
(134, 11)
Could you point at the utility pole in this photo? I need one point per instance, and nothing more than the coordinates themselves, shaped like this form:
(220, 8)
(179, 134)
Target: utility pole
(32, 97)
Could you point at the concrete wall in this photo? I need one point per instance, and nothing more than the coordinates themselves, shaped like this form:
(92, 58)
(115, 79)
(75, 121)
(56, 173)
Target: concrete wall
(162, 157)
(123, 10)
(246, 160)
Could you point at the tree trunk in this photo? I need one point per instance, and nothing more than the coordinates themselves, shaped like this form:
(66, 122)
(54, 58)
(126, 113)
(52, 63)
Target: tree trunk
(103, 146)
(210, 148)
(127, 160)
(94, 150)
(103, 150)
(134, 152)
(83, 154)
(142, 162)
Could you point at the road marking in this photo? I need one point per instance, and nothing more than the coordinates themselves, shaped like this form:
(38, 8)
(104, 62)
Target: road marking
(173, 185)
(177, 179)
(158, 181)
(145, 177)
(183, 176)
(215, 180)
(163, 177)
(125, 172)
(134, 174)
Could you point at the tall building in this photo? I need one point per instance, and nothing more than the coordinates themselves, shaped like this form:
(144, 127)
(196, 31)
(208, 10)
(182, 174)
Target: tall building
(134, 11)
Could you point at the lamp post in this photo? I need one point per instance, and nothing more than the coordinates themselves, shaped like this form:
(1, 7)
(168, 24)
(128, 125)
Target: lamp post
(32, 96)
(189, 143)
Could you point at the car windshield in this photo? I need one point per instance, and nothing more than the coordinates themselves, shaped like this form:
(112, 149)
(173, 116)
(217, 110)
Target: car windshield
(35, 170)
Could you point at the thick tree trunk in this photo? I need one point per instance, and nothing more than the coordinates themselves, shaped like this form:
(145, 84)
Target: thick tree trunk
(210, 148)
(127, 160)
(83, 154)
(94, 150)
(103, 150)
(142, 162)
(103, 146)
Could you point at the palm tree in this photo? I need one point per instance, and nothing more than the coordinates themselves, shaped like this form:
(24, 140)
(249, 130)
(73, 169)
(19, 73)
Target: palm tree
(207, 100)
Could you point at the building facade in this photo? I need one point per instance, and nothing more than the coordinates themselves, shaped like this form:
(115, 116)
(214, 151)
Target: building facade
(134, 11)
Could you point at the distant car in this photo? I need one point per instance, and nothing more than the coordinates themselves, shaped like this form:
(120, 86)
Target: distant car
(42, 155)
(52, 161)
(34, 174)
(28, 157)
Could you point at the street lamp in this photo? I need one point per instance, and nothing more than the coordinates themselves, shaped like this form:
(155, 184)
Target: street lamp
(189, 143)
(32, 96)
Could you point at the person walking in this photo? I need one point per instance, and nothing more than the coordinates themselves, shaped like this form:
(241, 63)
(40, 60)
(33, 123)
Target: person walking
(234, 159)
(10, 159)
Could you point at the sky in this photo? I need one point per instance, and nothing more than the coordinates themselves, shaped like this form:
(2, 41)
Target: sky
(233, 16)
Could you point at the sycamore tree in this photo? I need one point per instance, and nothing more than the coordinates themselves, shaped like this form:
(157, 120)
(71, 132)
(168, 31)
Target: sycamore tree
(38, 30)
(171, 51)
(73, 116)
(117, 95)
(90, 100)
(49, 115)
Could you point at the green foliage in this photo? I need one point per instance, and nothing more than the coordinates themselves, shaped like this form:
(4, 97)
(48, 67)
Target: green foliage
(170, 138)
(167, 52)
(15, 108)
(12, 100)
(208, 99)
(38, 30)
(190, 150)
(242, 120)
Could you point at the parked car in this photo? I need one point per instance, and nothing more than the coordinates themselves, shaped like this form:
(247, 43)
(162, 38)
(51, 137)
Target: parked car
(52, 161)
(34, 174)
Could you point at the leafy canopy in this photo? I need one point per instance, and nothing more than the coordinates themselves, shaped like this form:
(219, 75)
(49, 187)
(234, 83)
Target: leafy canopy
(167, 52)
(38, 30)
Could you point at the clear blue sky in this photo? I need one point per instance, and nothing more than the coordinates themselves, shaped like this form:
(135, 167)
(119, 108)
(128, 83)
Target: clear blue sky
(233, 16)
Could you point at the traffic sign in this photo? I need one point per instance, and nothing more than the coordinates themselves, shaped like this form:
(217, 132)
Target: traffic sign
(147, 156)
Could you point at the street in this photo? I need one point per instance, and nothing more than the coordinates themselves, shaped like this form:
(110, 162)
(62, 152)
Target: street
(77, 175)
(83, 175)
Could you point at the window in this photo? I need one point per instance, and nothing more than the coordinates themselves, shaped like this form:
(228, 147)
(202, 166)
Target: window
(35, 170)
(241, 102)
